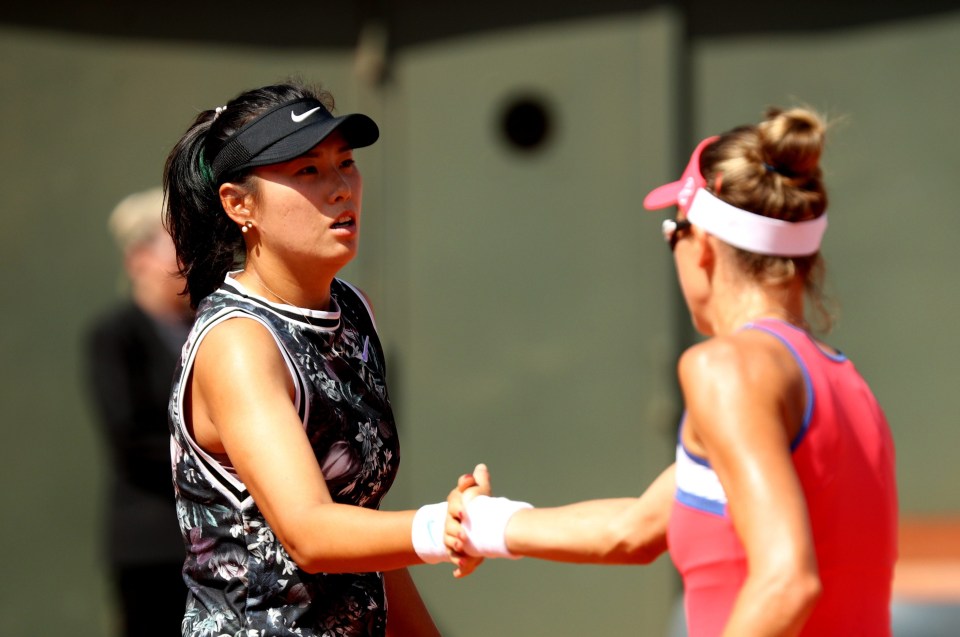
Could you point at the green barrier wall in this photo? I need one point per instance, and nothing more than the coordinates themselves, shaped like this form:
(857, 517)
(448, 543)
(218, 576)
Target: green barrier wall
(526, 301)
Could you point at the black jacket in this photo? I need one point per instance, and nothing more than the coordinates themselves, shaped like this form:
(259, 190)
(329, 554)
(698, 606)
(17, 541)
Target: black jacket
(130, 360)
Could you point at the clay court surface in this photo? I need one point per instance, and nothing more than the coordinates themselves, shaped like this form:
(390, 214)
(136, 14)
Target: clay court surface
(929, 566)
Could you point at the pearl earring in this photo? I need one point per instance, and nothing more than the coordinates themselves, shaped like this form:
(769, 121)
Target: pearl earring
(246, 227)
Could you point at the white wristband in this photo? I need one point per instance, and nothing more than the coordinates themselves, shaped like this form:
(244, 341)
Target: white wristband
(427, 533)
(485, 524)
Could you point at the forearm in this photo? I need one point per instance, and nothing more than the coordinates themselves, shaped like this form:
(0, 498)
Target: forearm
(604, 531)
(610, 531)
(340, 538)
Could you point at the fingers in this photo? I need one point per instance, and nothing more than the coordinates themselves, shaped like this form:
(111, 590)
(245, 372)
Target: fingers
(452, 528)
(468, 487)
(466, 481)
(452, 538)
(482, 477)
(455, 507)
(466, 565)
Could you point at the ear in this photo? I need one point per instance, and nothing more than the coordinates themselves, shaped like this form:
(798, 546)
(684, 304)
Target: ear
(236, 202)
(706, 249)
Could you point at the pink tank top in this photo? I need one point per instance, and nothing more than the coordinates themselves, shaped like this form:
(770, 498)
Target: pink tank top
(844, 457)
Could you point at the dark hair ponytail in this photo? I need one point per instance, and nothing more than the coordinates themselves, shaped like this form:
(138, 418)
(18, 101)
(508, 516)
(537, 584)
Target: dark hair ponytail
(207, 241)
(209, 244)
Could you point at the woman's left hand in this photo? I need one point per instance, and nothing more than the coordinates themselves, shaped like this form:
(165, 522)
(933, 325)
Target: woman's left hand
(468, 487)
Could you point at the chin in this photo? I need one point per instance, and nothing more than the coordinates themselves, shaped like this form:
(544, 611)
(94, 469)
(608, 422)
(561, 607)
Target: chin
(343, 257)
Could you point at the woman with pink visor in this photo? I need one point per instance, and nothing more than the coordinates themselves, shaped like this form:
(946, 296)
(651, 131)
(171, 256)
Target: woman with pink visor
(780, 511)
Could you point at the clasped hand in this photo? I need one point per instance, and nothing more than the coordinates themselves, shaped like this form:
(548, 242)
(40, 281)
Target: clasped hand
(455, 538)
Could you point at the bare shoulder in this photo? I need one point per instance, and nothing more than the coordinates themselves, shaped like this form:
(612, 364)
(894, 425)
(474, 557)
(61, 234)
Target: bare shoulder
(747, 356)
(238, 354)
(734, 385)
(238, 340)
(238, 369)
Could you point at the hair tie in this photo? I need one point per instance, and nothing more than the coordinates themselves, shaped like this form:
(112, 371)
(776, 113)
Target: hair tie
(783, 172)
(218, 110)
(205, 171)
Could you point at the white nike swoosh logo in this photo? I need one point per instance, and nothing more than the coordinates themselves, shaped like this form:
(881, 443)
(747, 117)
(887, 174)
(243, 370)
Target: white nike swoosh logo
(303, 116)
(431, 534)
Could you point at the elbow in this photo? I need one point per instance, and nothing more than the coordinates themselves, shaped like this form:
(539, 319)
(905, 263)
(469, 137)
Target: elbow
(803, 589)
(329, 556)
(313, 563)
(802, 596)
(643, 553)
(299, 554)
(795, 593)
(648, 554)
(302, 552)
(809, 589)
(630, 543)
(305, 564)
(313, 559)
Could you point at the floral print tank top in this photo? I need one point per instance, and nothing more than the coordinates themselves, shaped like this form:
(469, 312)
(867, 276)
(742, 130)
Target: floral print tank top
(241, 580)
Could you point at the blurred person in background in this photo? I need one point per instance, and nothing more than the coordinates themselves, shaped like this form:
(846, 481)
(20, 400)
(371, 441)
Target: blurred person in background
(131, 351)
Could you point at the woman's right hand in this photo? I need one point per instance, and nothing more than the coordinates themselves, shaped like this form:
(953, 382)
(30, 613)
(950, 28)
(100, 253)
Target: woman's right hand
(468, 487)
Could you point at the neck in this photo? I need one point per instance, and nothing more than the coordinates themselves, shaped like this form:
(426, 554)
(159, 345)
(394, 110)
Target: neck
(782, 315)
(744, 308)
(285, 289)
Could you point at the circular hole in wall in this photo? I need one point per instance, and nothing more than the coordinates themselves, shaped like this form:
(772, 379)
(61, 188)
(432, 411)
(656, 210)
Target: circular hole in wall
(526, 123)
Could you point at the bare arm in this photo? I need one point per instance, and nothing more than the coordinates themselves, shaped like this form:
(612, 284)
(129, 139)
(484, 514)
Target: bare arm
(242, 406)
(742, 403)
(608, 531)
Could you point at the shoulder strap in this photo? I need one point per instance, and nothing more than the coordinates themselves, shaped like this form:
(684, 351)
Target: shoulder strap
(348, 295)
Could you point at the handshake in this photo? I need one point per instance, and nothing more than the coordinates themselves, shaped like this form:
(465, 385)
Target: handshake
(470, 526)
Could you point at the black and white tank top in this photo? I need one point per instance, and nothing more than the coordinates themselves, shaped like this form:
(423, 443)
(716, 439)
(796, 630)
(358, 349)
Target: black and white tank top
(241, 580)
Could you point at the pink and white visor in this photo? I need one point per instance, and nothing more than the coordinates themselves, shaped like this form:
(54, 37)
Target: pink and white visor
(738, 227)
